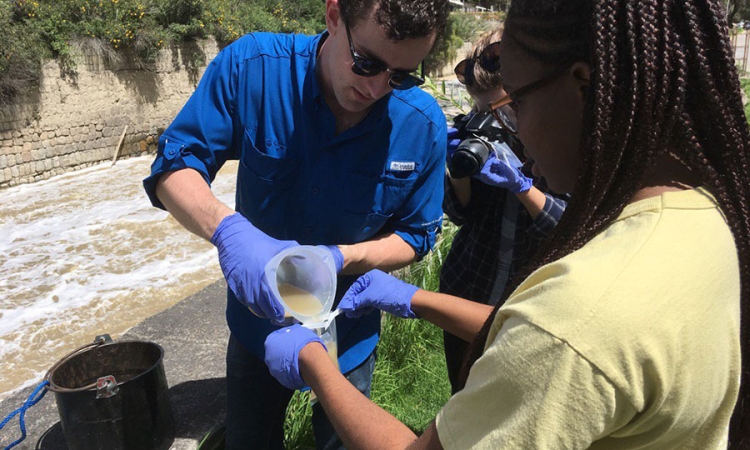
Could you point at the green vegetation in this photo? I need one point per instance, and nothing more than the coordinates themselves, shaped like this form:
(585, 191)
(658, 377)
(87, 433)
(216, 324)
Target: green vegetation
(460, 100)
(737, 10)
(745, 85)
(410, 379)
(462, 27)
(467, 27)
(35, 30)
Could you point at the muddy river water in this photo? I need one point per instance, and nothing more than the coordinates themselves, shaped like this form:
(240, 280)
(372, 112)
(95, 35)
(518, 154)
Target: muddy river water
(85, 254)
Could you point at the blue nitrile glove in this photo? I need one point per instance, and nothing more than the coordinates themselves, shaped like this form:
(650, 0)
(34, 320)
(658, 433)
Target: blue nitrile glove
(338, 258)
(502, 173)
(282, 353)
(453, 142)
(377, 289)
(244, 251)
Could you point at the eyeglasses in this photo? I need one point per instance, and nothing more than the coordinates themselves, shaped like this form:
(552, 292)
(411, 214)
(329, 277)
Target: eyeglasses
(366, 67)
(488, 59)
(506, 108)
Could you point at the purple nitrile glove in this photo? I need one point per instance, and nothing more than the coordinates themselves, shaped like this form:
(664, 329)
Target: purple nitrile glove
(503, 172)
(377, 289)
(282, 353)
(244, 251)
(338, 258)
(453, 142)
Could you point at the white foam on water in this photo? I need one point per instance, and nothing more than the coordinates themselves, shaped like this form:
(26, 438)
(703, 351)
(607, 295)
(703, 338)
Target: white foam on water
(84, 254)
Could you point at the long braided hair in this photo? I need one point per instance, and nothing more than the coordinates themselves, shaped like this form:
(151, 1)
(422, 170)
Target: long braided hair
(663, 83)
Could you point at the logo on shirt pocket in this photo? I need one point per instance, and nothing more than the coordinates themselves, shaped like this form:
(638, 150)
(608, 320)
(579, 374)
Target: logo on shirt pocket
(402, 166)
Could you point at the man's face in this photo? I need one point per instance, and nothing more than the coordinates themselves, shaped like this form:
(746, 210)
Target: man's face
(355, 93)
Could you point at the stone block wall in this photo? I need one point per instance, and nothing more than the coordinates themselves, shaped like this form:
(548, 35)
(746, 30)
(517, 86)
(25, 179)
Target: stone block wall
(446, 72)
(72, 121)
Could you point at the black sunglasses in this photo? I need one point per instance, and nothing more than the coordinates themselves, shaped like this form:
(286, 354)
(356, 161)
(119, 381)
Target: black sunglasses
(488, 59)
(366, 67)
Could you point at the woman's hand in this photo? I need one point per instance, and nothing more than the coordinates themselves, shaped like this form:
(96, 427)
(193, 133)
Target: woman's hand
(377, 289)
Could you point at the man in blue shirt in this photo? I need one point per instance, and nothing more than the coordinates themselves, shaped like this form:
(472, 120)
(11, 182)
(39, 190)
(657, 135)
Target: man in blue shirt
(335, 149)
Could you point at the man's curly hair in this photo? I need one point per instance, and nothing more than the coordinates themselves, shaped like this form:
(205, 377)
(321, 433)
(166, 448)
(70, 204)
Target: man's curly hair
(401, 19)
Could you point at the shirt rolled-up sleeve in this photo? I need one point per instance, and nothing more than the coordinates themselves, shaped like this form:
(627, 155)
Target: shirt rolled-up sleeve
(548, 218)
(204, 133)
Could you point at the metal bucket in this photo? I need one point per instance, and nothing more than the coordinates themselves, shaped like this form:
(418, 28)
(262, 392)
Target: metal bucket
(113, 396)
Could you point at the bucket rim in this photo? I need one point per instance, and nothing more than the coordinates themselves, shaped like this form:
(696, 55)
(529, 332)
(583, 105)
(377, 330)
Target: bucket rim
(81, 350)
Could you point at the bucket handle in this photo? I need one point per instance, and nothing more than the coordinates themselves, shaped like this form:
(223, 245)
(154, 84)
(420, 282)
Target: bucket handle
(99, 340)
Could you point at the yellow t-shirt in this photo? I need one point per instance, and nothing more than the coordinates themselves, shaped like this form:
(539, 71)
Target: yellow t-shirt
(630, 342)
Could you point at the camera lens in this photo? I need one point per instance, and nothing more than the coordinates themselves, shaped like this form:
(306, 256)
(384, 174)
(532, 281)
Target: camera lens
(468, 158)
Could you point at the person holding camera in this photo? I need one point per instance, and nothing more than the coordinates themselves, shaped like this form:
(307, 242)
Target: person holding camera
(490, 194)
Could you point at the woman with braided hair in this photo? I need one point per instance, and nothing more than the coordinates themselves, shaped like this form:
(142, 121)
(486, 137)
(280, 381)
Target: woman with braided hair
(631, 326)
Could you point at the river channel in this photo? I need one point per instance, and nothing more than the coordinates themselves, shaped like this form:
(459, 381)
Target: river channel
(84, 254)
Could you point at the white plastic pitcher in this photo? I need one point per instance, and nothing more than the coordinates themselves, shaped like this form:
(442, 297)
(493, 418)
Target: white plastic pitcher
(303, 280)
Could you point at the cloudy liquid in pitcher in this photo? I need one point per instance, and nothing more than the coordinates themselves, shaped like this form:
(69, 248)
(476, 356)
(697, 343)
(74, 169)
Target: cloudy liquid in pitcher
(300, 300)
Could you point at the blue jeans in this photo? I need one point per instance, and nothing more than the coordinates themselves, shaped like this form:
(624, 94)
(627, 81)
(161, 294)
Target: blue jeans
(256, 403)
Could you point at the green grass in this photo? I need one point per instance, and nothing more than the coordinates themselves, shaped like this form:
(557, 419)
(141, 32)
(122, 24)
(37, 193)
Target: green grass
(745, 85)
(410, 379)
(298, 433)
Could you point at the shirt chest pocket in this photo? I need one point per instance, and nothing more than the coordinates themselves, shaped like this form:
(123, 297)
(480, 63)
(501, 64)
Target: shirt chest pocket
(265, 172)
(382, 194)
(269, 162)
(371, 201)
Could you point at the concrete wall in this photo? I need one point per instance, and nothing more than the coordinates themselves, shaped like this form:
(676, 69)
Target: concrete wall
(446, 72)
(71, 121)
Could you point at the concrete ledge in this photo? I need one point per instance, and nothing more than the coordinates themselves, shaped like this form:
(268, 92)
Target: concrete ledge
(194, 335)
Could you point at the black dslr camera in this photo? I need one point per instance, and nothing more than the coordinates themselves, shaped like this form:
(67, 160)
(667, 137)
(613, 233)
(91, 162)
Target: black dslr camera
(476, 132)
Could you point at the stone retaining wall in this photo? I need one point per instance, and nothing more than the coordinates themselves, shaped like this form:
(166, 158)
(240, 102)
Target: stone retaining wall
(446, 72)
(73, 121)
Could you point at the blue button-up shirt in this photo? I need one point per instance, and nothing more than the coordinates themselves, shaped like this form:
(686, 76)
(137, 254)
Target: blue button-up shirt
(259, 101)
